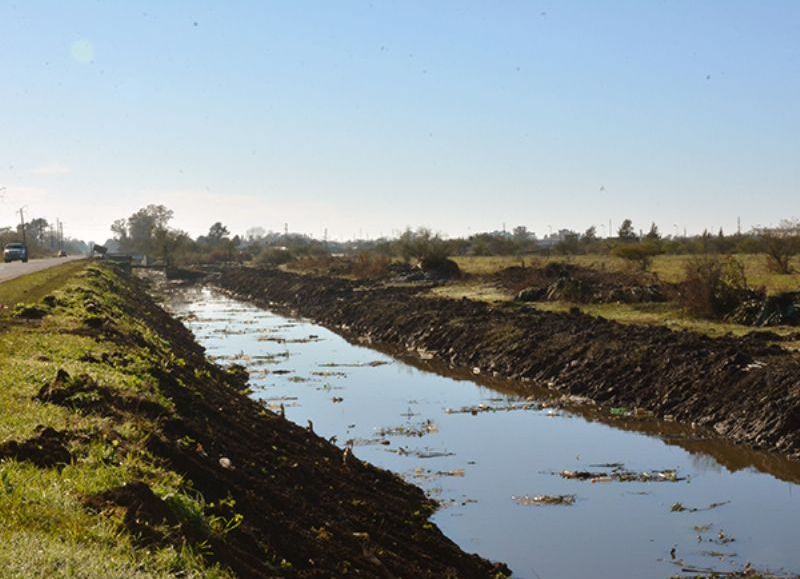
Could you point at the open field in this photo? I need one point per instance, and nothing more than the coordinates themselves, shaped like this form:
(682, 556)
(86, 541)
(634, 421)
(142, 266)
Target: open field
(668, 268)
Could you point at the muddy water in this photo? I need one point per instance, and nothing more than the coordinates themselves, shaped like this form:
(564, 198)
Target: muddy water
(684, 512)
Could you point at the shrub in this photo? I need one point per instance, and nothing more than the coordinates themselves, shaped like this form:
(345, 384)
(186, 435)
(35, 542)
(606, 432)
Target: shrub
(714, 286)
(366, 265)
(641, 253)
(273, 256)
(780, 244)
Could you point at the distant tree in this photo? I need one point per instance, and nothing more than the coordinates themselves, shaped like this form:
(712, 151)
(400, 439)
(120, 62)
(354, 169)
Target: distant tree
(590, 234)
(520, 233)
(146, 225)
(653, 233)
(641, 253)
(217, 233)
(421, 244)
(780, 244)
(255, 234)
(120, 230)
(569, 243)
(142, 231)
(37, 229)
(626, 231)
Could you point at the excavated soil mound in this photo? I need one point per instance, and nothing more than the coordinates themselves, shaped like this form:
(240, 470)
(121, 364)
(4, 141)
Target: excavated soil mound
(47, 449)
(563, 281)
(745, 389)
(309, 509)
(147, 517)
(84, 394)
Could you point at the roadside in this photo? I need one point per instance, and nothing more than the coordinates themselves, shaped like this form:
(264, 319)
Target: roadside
(15, 269)
(126, 453)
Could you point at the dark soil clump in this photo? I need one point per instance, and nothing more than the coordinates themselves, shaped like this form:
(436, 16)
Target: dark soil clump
(146, 515)
(82, 393)
(47, 449)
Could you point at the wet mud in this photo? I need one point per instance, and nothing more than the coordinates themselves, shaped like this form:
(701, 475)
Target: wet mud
(744, 389)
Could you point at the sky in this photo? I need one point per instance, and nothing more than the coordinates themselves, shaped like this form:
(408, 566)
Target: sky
(365, 117)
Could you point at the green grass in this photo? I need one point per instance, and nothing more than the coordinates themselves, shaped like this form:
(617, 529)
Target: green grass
(669, 268)
(33, 287)
(46, 531)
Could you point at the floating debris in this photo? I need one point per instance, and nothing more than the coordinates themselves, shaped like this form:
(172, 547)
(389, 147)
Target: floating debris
(681, 508)
(620, 474)
(544, 500)
(372, 364)
(419, 430)
(420, 452)
(329, 374)
(280, 340)
(426, 474)
(507, 407)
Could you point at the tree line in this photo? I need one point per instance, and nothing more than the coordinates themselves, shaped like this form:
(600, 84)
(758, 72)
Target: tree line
(148, 231)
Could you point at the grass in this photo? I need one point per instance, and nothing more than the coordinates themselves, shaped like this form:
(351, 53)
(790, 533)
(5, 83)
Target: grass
(669, 268)
(46, 531)
(33, 287)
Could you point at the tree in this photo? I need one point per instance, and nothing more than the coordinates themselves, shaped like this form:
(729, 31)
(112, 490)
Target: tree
(120, 230)
(653, 233)
(146, 225)
(143, 231)
(569, 244)
(626, 231)
(590, 235)
(255, 234)
(216, 234)
(38, 230)
(780, 244)
(640, 253)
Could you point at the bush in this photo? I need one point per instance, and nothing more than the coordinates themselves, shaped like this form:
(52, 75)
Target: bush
(273, 256)
(641, 253)
(714, 286)
(780, 245)
(422, 245)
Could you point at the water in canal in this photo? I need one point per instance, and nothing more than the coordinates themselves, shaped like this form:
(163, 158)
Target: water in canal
(487, 465)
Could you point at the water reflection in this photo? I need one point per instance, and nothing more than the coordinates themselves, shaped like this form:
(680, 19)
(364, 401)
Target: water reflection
(476, 446)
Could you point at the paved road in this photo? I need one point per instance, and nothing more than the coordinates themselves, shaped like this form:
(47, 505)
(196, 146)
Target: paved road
(17, 268)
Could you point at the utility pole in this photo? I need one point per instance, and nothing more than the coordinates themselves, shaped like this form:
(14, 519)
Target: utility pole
(22, 225)
(738, 226)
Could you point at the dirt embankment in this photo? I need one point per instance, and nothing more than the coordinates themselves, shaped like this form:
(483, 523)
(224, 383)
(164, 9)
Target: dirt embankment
(293, 504)
(744, 388)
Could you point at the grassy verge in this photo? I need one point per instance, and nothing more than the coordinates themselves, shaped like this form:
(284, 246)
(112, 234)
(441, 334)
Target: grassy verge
(33, 287)
(47, 529)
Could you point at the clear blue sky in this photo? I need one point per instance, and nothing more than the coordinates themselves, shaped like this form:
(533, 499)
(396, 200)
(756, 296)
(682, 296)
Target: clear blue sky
(372, 116)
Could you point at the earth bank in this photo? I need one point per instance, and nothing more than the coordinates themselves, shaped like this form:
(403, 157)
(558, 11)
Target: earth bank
(192, 468)
(745, 389)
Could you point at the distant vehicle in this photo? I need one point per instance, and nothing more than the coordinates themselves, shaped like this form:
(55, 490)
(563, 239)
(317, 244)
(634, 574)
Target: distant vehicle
(15, 252)
(61, 253)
